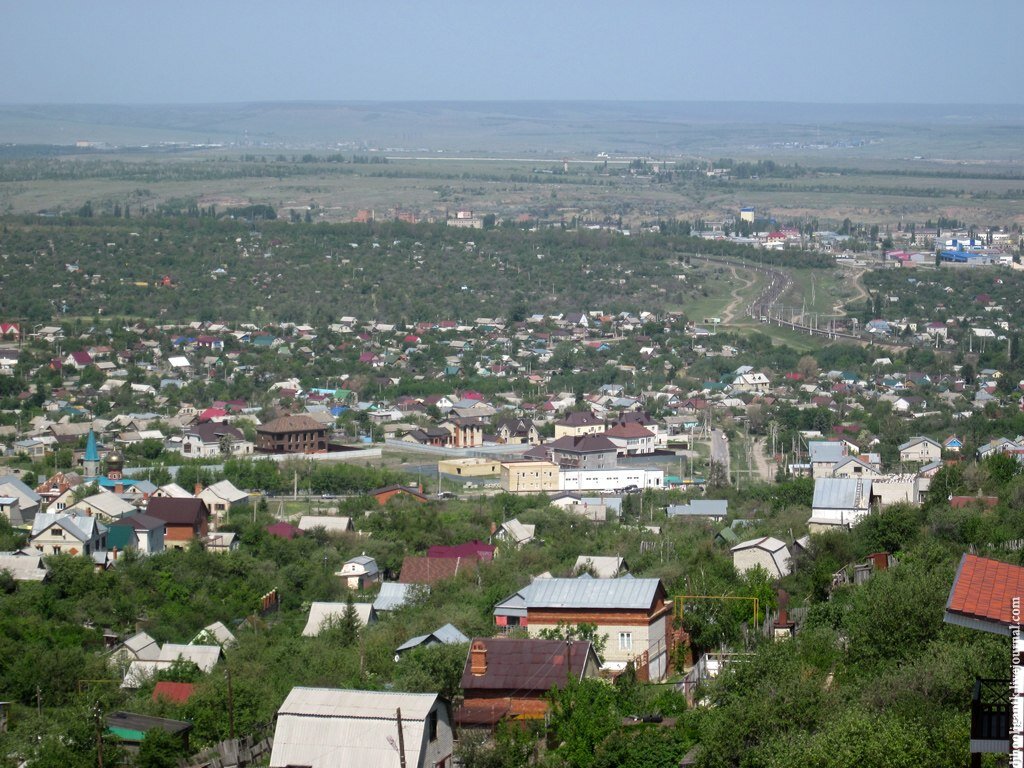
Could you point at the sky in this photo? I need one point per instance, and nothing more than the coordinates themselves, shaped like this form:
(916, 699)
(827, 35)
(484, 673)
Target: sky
(216, 51)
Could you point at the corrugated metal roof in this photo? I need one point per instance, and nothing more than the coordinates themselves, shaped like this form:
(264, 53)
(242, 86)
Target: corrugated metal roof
(593, 593)
(841, 493)
(826, 451)
(393, 595)
(362, 729)
(319, 613)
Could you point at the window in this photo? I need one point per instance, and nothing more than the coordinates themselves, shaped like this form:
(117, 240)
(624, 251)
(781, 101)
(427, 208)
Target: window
(432, 726)
(625, 641)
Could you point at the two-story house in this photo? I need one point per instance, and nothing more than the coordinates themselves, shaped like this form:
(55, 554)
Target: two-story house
(68, 533)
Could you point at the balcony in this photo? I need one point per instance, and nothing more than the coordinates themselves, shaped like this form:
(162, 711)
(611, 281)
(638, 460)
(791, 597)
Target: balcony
(990, 718)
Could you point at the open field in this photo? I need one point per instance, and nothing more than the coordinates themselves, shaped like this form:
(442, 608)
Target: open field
(556, 162)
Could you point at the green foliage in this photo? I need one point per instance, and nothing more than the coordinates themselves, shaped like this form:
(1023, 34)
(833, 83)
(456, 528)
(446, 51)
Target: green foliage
(159, 749)
(571, 632)
(434, 669)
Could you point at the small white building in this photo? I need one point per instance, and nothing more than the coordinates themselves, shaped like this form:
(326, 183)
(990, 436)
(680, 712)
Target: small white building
(359, 572)
(768, 552)
(328, 727)
(839, 502)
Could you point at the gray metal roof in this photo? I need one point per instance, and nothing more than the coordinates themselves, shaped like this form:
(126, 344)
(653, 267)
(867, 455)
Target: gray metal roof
(700, 508)
(593, 593)
(826, 451)
(841, 493)
(393, 595)
(325, 727)
(446, 635)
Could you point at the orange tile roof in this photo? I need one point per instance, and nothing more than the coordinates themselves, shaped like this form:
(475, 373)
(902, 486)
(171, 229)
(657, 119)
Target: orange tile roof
(984, 590)
(176, 693)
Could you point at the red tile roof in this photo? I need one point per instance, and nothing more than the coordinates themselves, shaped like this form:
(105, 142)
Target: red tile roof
(284, 530)
(430, 570)
(984, 590)
(175, 693)
(959, 502)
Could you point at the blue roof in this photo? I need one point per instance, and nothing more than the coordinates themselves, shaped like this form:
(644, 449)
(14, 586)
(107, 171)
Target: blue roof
(91, 453)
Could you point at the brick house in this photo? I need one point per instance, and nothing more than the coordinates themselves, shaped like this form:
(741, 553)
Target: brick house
(184, 520)
(509, 679)
(291, 434)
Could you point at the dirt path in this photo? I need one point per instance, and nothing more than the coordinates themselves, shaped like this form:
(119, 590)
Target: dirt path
(765, 468)
(730, 311)
(862, 294)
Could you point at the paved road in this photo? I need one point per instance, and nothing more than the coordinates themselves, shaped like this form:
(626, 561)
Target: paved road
(720, 449)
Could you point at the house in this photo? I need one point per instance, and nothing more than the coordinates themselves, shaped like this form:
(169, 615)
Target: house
(586, 452)
(215, 634)
(330, 523)
(839, 502)
(920, 449)
(24, 565)
(185, 520)
(28, 499)
(600, 567)
(710, 509)
(394, 595)
(517, 431)
(751, 382)
(222, 542)
(291, 434)
(67, 533)
(131, 729)
(854, 466)
(634, 613)
(203, 656)
(767, 552)
(631, 439)
(138, 647)
(430, 570)
(515, 533)
(327, 727)
(824, 455)
(322, 615)
(104, 506)
(221, 498)
(148, 533)
(509, 679)
(359, 572)
(578, 424)
(446, 635)
(211, 439)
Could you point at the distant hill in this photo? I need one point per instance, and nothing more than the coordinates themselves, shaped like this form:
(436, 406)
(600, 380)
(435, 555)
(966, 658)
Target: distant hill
(536, 128)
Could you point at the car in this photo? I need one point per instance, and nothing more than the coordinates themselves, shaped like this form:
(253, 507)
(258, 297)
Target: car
(326, 495)
(445, 495)
(631, 489)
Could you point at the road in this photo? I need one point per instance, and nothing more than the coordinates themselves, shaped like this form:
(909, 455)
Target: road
(720, 450)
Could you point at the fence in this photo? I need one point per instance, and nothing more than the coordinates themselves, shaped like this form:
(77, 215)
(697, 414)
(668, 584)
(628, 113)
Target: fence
(234, 753)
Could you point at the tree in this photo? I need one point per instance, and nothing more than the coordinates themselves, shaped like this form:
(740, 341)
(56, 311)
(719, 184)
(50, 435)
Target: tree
(159, 749)
(807, 367)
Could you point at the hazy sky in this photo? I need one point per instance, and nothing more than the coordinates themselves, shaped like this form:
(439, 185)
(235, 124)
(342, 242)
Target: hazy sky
(184, 51)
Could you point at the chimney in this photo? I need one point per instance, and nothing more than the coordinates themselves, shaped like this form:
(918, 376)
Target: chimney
(478, 659)
(198, 489)
(113, 553)
(119, 487)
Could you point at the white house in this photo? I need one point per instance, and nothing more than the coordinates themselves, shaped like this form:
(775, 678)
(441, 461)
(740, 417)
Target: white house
(839, 502)
(768, 552)
(359, 572)
(921, 449)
